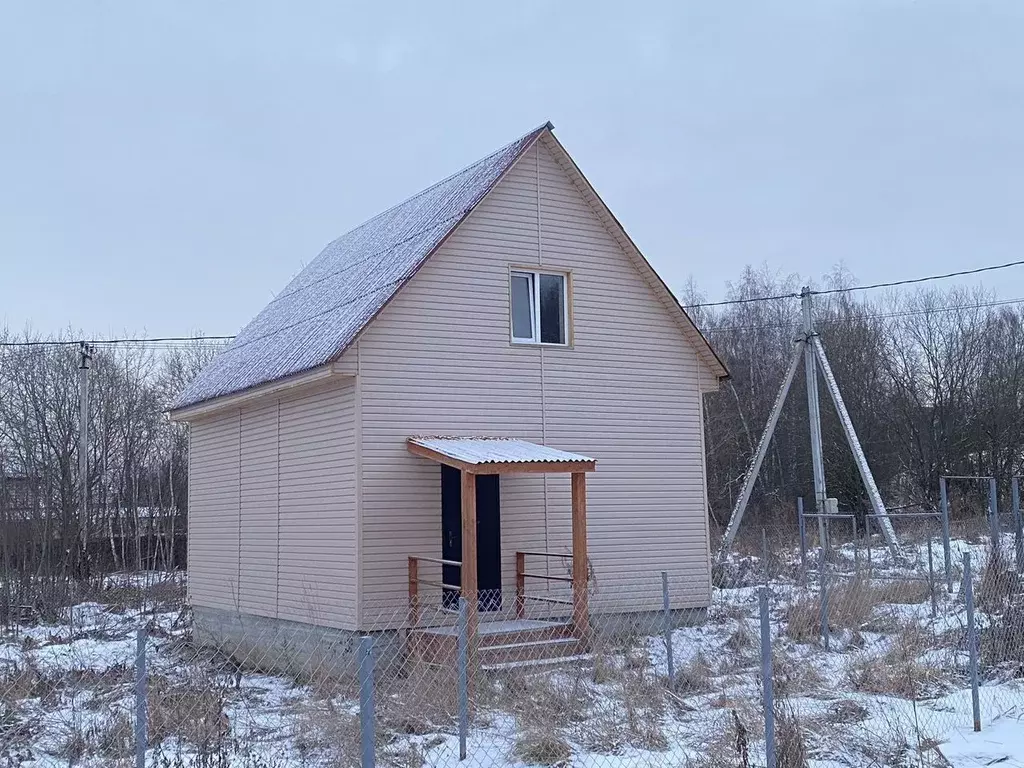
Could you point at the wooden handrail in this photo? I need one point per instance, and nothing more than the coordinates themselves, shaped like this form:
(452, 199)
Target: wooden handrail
(437, 560)
(566, 579)
(522, 575)
(547, 554)
(415, 581)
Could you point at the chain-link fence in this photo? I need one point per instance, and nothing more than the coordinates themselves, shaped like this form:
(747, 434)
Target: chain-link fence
(871, 662)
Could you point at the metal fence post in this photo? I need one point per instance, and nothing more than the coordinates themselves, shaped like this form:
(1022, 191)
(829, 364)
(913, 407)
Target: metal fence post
(931, 579)
(764, 555)
(768, 687)
(972, 640)
(1018, 529)
(803, 538)
(856, 549)
(367, 720)
(667, 629)
(867, 535)
(993, 513)
(823, 594)
(463, 683)
(141, 706)
(944, 515)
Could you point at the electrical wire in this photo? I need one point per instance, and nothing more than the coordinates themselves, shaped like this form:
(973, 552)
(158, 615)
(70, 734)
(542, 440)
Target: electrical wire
(830, 291)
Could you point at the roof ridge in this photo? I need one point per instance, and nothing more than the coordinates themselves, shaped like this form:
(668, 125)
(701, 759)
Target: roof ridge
(349, 265)
(447, 178)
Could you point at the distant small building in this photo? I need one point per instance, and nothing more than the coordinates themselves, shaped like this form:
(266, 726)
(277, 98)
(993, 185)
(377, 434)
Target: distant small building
(494, 357)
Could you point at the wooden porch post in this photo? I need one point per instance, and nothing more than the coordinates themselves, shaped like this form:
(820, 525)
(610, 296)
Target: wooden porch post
(469, 567)
(580, 610)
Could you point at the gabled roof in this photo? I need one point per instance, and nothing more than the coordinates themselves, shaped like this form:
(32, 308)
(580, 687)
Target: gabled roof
(323, 309)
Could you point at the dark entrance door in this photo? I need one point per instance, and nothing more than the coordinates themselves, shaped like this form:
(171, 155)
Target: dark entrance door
(488, 537)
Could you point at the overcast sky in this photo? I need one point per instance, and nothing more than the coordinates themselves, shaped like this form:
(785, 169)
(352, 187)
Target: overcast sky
(167, 167)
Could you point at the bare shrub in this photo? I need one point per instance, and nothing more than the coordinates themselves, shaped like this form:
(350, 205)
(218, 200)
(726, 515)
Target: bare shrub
(902, 592)
(543, 746)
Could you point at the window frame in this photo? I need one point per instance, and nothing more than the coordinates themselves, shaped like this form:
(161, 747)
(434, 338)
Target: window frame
(535, 275)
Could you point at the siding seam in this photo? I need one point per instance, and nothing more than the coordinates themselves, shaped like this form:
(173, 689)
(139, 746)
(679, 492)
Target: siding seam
(543, 405)
(357, 434)
(238, 589)
(277, 563)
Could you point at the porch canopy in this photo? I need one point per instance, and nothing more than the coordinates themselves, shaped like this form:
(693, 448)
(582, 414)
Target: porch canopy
(502, 455)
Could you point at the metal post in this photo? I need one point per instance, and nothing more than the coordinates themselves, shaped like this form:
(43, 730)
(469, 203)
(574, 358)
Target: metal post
(859, 459)
(768, 684)
(931, 579)
(856, 555)
(993, 514)
(141, 708)
(823, 594)
(803, 539)
(867, 534)
(764, 556)
(1018, 529)
(84, 363)
(759, 454)
(463, 682)
(972, 640)
(367, 720)
(813, 412)
(667, 629)
(944, 514)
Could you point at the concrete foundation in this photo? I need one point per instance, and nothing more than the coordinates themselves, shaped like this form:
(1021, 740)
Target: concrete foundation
(290, 647)
(305, 650)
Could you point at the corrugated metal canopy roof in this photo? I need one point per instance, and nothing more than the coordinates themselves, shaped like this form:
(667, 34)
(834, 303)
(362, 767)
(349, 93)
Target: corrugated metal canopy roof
(324, 308)
(497, 450)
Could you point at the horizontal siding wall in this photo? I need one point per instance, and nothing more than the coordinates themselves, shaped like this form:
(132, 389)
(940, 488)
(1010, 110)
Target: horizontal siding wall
(438, 361)
(214, 504)
(272, 516)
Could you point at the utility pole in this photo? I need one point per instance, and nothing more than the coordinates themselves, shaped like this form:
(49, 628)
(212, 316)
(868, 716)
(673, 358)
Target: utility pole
(85, 352)
(814, 412)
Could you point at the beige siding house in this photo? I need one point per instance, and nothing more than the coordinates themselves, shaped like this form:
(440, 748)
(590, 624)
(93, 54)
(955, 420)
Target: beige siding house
(330, 468)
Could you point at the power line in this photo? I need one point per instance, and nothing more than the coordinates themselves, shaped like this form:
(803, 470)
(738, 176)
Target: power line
(169, 341)
(910, 281)
(829, 291)
(877, 316)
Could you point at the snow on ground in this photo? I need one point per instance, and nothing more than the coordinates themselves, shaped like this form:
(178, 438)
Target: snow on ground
(892, 690)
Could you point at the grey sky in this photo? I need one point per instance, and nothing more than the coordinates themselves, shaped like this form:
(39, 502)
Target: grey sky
(166, 167)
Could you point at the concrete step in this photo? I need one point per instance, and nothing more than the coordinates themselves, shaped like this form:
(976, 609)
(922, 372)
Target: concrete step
(531, 650)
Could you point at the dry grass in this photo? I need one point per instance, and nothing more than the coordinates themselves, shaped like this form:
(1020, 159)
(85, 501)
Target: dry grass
(792, 676)
(898, 670)
(790, 745)
(543, 746)
(191, 711)
(693, 677)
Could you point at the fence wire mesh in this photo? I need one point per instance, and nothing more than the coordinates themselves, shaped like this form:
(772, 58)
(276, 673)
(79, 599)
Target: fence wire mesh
(870, 661)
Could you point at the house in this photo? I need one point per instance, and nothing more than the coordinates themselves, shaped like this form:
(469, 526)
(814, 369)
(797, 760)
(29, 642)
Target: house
(488, 373)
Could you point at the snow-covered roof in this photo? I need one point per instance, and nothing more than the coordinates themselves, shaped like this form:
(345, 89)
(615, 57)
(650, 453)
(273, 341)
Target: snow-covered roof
(496, 450)
(322, 310)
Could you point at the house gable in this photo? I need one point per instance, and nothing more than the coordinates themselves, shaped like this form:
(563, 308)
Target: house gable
(438, 360)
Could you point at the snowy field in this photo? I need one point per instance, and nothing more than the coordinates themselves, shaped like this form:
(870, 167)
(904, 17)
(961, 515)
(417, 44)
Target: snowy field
(892, 690)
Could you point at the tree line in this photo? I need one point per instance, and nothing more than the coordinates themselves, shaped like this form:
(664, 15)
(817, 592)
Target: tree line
(137, 487)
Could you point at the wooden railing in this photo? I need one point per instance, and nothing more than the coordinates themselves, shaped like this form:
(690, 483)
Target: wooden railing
(522, 575)
(415, 581)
